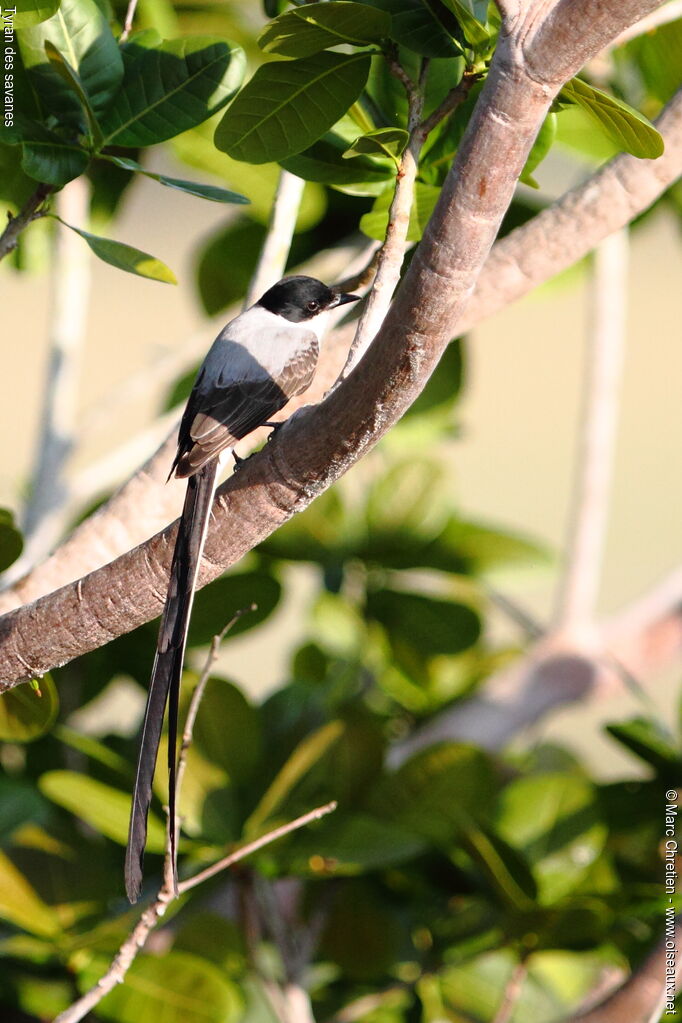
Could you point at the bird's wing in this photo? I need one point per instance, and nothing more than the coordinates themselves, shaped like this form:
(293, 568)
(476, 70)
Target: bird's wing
(234, 395)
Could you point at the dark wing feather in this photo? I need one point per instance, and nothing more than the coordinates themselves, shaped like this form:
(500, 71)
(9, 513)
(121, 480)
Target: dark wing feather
(218, 415)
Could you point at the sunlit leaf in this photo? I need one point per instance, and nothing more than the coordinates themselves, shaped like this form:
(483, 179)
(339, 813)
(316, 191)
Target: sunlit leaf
(624, 125)
(541, 147)
(382, 142)
(172, 87)
(375, 222)
(126, 257)
(80, 32)
(288, 105)
(554, 820)
(21, 905)
(474, 32)
(106, 809)
(32, 12)
(25, 715)
(302, 760)
(176, 988)
(314, 27)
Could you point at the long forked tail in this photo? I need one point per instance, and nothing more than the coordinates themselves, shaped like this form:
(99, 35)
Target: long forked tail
(165, 680)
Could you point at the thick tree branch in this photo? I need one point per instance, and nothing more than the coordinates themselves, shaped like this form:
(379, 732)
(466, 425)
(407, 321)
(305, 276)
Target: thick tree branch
(320, 444)
(527, 257)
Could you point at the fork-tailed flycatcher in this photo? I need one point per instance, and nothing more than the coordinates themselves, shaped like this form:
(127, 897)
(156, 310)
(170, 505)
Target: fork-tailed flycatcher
(257, 363)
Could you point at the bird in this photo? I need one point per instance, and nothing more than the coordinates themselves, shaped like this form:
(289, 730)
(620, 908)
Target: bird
(258, 362)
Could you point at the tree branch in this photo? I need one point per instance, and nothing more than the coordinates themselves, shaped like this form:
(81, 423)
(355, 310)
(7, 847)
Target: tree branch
(33, 209)
(642, 998)
(70, 290)
(275, 251)
(392, 252)
(583, 557)
(320, 444)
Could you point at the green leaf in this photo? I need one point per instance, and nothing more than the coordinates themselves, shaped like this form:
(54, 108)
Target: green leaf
(15, 189)
(172, 87)
(554, 820)
(647, 739)
(32, 12)
(218, 602)
(288, 105)
(505, 869)
(414, 27)
(542, 145)
(47, 158)
(228, 730)
(474, 32)
(324, 162)
(656, 55)
(105, 808)
(20, 804)
(624, 125)
(304, 758)
(431, 625)
(222, 280)
(362, 937)
(80, 32)
(311, 28)
(439, 793)
(21, 905)
(67, 73)
(382, 142)
(374, 223)
(25, 715)
(90, 747)
(176, 988)
(11, 540)
(125, 257)
(191, 187)
(350, 845)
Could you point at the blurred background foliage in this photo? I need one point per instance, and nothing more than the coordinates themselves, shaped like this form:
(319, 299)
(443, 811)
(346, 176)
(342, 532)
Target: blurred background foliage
(436, 881)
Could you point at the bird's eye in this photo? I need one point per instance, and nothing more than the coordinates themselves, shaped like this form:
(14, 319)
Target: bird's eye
(312, 306)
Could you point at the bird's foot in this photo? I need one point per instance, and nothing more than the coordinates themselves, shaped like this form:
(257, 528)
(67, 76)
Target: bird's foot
(275, 427)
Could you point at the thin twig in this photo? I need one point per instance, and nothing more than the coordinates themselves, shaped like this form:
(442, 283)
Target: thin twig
(151, 916)
(258, 843)
(390, 256)
(579, 588)
(275, 251)
(453, 99)
(511, 993)
(128, 24)
(198, 694)
(33, 209)
(166, 894)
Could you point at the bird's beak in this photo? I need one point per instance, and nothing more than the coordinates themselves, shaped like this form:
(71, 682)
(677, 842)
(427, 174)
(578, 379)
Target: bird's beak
(343, 299)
